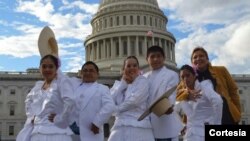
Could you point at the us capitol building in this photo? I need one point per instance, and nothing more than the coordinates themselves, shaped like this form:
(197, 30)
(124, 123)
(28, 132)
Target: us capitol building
(119, 28)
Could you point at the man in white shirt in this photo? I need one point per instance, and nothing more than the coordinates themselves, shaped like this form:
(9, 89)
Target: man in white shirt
(166, 127)
(94, 105)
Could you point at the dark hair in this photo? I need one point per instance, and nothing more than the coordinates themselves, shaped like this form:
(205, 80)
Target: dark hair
(187, 67)
(54, 59)
(91, 63)
(155, 48)
(130, 57)
(199, 49)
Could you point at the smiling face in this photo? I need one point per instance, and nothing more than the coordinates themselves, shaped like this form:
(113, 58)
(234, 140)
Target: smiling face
(200, 60)
(48, 69)
(188, 78)
(155, 60)
(131, 68)
(89, 73)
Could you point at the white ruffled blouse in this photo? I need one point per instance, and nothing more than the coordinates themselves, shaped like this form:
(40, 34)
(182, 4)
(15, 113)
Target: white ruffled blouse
(58, 99)
(131, 101)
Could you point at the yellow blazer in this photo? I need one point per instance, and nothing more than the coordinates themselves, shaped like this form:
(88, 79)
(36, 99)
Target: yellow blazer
(225, 86)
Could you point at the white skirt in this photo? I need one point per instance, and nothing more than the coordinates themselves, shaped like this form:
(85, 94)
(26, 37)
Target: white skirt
(50, 137)
(129, 133)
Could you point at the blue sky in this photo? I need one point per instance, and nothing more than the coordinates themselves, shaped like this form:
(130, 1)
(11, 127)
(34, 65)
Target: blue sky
(222, 27)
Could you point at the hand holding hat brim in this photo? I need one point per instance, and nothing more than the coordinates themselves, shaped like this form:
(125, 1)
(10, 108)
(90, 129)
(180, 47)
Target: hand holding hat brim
(159, 103)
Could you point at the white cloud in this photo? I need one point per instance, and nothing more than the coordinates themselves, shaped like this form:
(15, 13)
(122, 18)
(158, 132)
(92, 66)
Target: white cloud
(89, 8)
(235, 52)
(204, 12)
(75, 63)
(20, 46)
(227, 44)
(65, 26)
(37, 8)
(70, 45)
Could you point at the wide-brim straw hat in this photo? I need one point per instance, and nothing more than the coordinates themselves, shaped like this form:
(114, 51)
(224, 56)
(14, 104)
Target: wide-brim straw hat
(47, 43)
(160, 106)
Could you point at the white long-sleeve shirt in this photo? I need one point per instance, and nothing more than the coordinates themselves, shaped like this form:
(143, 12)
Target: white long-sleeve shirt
(131, 101)
(93, 105)
(206, 110)
(58, 99)
(161, 80)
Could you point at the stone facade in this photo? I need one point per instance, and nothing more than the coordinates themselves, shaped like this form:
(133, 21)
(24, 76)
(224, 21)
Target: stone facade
(243, 82)
(15, 86)
(123, 28)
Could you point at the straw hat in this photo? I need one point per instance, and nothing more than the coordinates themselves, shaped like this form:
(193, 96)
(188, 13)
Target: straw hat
(47, 43)
(160, 106)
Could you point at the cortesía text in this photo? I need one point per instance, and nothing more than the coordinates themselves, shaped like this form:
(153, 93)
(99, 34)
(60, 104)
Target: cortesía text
(213, 132)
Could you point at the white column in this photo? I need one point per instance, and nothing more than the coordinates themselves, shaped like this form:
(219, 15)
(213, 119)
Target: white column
(136, 46)
(108, 49)
(171, 50)
(173, 47)
(160, 44)
(145, 47)
(153, 40)
(102, 49)
(105, 49)
(98, 50)
(120, 47)
(168, 50)
(165, 47)
(94, 51)
(112, 48)
(128, 46)
(87, 53)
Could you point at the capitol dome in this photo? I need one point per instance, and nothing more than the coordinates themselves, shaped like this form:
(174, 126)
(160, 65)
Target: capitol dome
(121, 28)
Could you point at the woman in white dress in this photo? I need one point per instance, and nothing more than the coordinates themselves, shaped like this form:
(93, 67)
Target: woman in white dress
(202, 109)
(130, 96)
(49, 105)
